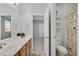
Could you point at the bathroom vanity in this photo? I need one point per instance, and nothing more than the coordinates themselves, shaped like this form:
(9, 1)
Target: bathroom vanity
(26, 49)
(17, 46)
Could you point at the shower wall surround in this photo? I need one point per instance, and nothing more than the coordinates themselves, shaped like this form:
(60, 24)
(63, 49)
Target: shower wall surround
(66, 35)
(71, 21)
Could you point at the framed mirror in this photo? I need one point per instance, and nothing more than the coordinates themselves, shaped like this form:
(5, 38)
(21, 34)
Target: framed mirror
(5, 26)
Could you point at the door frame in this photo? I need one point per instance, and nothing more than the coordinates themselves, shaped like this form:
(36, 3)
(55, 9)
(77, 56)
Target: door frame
(32, 26)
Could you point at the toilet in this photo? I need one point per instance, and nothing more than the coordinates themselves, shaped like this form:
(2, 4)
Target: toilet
(61, 51)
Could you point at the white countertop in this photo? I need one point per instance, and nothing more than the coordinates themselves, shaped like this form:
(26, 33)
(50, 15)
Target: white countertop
(13, 45)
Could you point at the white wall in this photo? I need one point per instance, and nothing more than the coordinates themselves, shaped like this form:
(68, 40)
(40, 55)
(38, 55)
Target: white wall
(28, 10)
(46, 31)
(15, 23)
(53, 30)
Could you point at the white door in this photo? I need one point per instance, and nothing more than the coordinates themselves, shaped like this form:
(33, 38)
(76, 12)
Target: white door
(42, 30)
(38, 33)
(53, 30)
(46, 33)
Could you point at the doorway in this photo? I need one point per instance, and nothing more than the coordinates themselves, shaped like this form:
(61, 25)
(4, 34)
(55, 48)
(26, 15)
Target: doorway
(41, 33)
(38, 33)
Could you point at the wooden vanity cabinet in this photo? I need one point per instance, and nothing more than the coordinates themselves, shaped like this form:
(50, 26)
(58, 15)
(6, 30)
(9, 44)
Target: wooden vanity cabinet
(25, 50)
(28, 49)
(30, 46)
(17, 54)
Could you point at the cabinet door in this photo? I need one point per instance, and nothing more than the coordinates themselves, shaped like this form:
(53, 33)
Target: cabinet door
(28, 48)
(23, 51)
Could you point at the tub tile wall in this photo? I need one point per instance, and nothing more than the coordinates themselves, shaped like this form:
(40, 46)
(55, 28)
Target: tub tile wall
(71, 30)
